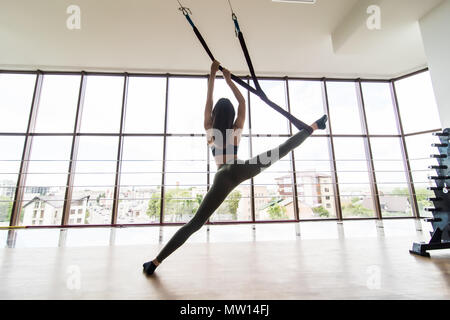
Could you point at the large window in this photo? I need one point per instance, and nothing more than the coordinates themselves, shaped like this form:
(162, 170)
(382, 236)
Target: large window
(419, 113)
(93, 187)
(140, 183)
(107, 158)
(357, 200)
(16, 93)
(186, 104)
(274, 186)
(185, 177)
(44, 189)
(58, 104)
(306, 101)
(12, 148)
(393, 193)
(390, 174)
(314, 177)
(45, 184)
(145, 105)
(265, 120)
(419, 151)
(379, 109)
(344, 111)
(417, 103)
(102, 105)
(356, 196)
(316, 196)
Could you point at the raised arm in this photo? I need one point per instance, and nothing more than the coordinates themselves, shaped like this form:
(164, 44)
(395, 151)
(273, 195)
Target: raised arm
(240, 120)
(209, 98)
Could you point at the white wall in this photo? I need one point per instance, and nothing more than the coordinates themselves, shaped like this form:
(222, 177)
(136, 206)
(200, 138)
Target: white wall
(435, 28)
(153, 36)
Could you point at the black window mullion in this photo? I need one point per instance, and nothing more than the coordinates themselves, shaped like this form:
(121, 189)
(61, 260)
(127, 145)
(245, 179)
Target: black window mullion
(163, 173)
(293, 169)
(250, 150)
(331, 150)
(74, 151)
(24, 164)
(118, 172)
(404, 149)
(368, 150)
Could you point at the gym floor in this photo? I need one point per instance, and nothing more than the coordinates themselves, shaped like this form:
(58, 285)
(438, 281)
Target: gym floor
(313, 260)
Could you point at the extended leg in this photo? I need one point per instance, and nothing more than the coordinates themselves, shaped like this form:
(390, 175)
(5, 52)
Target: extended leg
(213, 199)
(255, 165)
(220, 189)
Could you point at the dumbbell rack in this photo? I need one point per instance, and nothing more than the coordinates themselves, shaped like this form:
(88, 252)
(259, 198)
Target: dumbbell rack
(440, 237)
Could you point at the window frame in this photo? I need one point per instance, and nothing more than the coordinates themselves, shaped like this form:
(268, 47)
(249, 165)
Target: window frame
(76, 134)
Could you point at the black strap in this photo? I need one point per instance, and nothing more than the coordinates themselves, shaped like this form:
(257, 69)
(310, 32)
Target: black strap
(211, 56)
(296, 122)
(258, 91)
(249, 61)
(203, 42)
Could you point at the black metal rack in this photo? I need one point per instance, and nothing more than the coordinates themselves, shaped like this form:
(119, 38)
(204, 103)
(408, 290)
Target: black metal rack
(440, 237)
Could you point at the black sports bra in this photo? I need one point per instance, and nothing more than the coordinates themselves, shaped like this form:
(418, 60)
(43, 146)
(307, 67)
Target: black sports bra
(230, 150)
(224, 151)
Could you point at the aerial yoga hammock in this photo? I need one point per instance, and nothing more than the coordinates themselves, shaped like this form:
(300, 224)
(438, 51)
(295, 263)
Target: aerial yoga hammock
(232, 173)
(257, 91)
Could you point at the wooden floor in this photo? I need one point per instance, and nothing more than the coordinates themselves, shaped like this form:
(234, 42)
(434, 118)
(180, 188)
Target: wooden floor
(372, 267)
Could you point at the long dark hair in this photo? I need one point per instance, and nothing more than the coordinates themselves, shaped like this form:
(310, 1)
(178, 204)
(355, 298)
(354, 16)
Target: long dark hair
(223, 117)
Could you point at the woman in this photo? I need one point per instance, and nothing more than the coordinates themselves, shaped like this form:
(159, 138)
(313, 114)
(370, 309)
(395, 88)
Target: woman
(223, 135)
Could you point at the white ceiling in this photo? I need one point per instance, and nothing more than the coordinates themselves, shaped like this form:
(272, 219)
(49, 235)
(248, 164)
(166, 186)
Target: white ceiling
(329, 38)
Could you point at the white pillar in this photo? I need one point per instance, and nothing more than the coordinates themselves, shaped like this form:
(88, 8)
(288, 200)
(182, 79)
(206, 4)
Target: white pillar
(435, 29)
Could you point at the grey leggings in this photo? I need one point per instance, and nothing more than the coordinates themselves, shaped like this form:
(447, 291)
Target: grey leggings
(228, 177)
